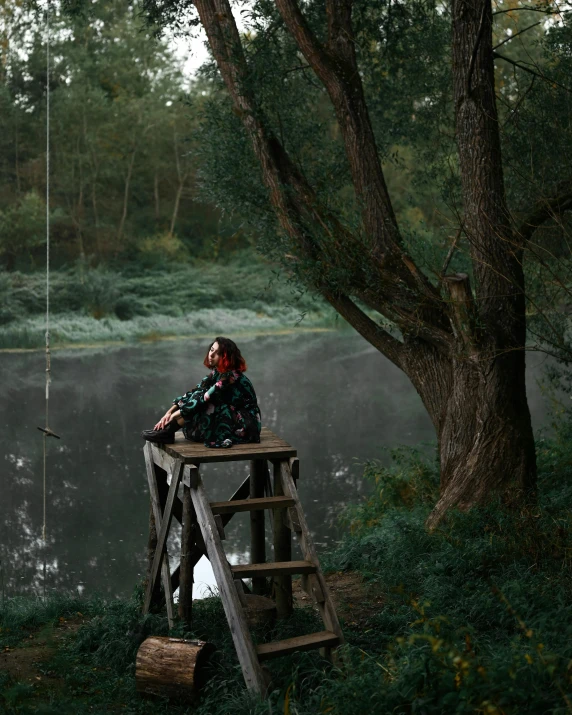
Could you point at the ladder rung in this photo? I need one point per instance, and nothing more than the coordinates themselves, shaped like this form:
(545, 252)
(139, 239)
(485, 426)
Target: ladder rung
(323, 639)
(278, 568)
(231, 507)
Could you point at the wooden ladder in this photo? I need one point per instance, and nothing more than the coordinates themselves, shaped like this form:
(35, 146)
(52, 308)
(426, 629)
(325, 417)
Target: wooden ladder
(210, 518)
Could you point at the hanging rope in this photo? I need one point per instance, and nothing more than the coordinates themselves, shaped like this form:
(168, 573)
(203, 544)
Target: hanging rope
(46, 430)
(48, 362)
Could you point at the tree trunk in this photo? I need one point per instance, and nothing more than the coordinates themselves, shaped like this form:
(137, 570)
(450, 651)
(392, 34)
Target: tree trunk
(156, 196)
(126, 195)
(178, 195)
(482, 422)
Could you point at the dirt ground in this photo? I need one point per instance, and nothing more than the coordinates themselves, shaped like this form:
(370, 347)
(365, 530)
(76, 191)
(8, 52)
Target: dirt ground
(23, 663)
(354, 599)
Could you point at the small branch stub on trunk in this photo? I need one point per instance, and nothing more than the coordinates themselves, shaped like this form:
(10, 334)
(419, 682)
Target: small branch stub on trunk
(462, 310)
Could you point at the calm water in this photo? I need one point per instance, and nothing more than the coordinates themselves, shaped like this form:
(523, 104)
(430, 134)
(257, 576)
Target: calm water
(330, 395)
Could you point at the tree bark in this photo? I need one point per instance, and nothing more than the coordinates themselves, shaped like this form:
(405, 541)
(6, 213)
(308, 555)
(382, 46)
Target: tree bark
(172, 667)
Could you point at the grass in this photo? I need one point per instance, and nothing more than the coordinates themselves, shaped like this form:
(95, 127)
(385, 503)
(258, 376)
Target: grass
(474, 618)
(102, 305)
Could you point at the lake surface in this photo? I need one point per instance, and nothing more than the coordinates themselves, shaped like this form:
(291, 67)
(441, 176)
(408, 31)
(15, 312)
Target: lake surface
(331, 395)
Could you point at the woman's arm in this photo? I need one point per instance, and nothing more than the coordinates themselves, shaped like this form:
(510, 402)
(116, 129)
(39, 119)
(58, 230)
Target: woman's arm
(202, 386)
(225, 378)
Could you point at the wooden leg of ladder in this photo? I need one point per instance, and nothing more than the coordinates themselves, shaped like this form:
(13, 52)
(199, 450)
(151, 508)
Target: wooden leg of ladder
(258, 473)
(251, 669)
(162, 524)
(187, 565)
(158, 490)
(282, 585)
(151, 548)
(319, 588)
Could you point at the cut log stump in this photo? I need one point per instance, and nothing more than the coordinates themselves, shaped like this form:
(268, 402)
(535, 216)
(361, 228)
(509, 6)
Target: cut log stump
(172, 667)
(260, 611)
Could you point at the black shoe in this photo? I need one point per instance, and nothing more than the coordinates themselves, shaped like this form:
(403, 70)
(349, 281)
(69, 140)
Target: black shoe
(161, 436)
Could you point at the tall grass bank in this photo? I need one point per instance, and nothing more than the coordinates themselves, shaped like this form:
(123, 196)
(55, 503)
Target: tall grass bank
(101, 305)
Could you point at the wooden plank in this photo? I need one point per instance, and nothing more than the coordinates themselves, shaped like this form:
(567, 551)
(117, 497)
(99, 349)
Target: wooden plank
(232, 507)
(163, 467)
(325, 608)
(258, 470)
(282, 583)
(272, 568)
(291, 520)
(294, 463)
(275, 649)
(163, 532)
(311, 586)
(220, 527)
(235, 616)
(186, 568)
(190, 456)
(195, 555)
(161, 458)
(191, 475)
(240, 590)
(269, 447)
(157, 507)
(151, 547)
(241, 493)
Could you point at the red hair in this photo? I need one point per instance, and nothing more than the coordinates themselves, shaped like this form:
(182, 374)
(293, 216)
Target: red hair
(229, 354)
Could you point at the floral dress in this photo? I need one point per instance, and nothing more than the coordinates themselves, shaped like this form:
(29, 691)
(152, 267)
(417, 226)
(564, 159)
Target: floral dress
(222, 410)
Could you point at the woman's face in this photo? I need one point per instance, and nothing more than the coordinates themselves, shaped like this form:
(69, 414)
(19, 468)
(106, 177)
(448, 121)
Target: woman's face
(214, 357)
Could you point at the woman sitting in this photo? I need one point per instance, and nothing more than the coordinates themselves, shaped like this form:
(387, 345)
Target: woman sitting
(221, 411)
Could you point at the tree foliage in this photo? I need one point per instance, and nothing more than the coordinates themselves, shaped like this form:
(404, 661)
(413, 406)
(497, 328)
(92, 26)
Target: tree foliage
(123, 158)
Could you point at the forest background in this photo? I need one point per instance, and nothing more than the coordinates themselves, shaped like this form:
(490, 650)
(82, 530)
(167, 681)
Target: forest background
(130, 215)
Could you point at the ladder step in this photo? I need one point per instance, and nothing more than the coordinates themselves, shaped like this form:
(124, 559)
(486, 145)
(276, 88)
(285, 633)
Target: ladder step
(323, 639)
(278, 568)
(231, 507)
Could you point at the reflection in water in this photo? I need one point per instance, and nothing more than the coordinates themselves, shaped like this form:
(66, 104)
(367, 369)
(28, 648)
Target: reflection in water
(334, 398)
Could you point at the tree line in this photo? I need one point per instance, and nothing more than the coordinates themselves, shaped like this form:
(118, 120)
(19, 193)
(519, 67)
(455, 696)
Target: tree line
(122, 150)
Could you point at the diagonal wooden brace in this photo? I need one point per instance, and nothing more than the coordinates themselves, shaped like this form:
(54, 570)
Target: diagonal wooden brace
(158, 499)
(163, 524)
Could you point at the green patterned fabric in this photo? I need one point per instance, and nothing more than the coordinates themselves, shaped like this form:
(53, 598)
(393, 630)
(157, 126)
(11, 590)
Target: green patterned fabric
(222, 410)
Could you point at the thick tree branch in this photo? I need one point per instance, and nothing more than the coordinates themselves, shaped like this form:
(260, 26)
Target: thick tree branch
(336, 66)
(544, 211)
(366, 327)
(463, 311)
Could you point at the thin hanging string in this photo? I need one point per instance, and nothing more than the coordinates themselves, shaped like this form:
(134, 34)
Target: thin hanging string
(48, 361)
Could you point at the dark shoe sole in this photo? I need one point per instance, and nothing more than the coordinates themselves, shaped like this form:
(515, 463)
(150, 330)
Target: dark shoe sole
(159, 437)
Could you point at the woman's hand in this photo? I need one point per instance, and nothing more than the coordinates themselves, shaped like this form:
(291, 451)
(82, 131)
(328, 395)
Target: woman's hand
(164, 421)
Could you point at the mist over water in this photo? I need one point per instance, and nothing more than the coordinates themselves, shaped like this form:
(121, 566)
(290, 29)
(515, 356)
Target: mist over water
(333, 397)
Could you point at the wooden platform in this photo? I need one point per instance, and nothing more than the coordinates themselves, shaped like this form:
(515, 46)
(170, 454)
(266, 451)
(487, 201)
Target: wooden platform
(269, 447)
